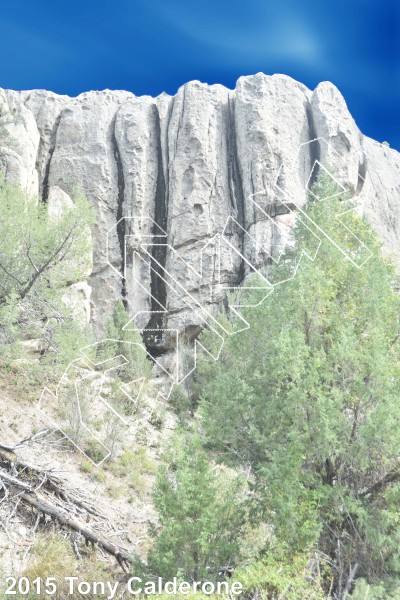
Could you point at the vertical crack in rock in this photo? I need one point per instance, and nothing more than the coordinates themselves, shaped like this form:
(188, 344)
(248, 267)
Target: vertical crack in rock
(362, 173)
(235, 185)
(153, 339)
(45, 187)
(170, 113)
(38, 169)
(315, 150)
(180, 119)
(121, 223)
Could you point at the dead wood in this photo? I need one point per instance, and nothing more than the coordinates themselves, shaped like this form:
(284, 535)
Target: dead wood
(55, 501)
(65, 519)
(24, 442)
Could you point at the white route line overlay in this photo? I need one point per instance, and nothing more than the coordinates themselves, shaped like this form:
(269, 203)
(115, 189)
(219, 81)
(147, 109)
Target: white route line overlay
(143, 256)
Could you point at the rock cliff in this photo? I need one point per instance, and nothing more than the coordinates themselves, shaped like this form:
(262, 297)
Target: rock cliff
(172, 177)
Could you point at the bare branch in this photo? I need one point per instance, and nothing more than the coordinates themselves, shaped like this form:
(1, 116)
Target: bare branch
(392, 477)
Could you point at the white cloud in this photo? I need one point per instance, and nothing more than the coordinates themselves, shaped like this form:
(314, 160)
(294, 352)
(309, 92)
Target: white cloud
(271, 36)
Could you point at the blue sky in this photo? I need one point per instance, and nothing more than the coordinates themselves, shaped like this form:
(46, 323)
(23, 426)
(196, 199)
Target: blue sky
(150, 46)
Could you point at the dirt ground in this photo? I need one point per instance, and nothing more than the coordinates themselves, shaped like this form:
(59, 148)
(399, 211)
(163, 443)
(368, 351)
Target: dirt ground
(125, 504)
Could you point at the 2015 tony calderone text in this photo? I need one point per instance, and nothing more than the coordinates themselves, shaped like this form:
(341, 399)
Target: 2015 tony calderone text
(107, 589)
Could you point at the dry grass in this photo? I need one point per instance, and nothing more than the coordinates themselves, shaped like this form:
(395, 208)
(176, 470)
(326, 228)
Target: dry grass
(53, 556)
(135, 469)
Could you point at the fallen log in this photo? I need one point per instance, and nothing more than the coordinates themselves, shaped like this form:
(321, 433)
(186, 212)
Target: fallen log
(7, 448)
(53, 485)
(65, 519)
(23, 442)
(14, 481)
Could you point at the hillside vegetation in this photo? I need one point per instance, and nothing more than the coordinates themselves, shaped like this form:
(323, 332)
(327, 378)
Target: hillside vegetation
(278, 464)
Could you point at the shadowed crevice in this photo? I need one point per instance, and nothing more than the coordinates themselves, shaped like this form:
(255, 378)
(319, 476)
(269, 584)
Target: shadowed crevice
(362, 173)
(235, 182)
(152, 338)
(44, 192)
(121, 223)
(315, 149)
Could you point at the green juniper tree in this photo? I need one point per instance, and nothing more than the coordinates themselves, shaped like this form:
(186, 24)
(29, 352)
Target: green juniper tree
(308, 397)
(201, 515)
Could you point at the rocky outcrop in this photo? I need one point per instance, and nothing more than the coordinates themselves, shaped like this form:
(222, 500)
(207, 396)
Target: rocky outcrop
(188, 189)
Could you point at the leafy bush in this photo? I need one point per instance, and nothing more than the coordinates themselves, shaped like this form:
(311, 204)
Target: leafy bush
(201, 514)
(307, 397)
(277, 578)
(123, 339)
(40, 256)
(181, 403)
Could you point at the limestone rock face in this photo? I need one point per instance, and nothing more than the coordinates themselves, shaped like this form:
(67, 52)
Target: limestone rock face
(21, 142)
(192, 192)
(77, 298)
(380, 194)
(343, 146)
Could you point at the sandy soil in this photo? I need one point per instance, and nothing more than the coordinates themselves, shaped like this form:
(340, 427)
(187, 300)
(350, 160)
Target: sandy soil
(127, 512)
